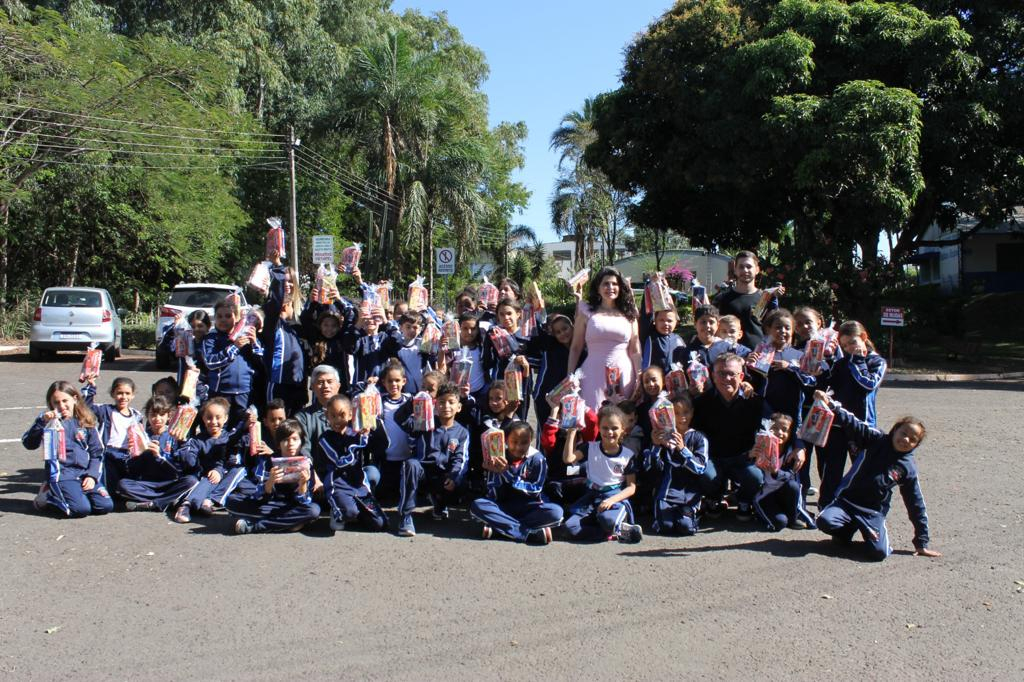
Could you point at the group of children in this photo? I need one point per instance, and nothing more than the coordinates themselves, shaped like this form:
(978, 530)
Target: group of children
(403, 412)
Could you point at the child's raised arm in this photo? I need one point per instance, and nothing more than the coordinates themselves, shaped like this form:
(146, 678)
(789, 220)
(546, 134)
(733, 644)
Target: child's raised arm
(570, 455)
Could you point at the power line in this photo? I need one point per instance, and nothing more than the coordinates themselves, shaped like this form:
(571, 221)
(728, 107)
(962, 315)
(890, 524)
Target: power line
(341, 171)
(347, 186)
(62, 162)
(359, 186)
(88, 140)
(77, 149)
(138, 123)
(121, 131)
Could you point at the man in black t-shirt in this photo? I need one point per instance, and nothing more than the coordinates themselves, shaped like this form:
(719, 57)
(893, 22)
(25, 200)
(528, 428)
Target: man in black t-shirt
(742, 298)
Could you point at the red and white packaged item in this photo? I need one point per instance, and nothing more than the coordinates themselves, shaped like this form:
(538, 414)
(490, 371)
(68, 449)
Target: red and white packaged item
(365, 412)
(181, 423)
(91, 363)
(765, 357)
(488, 294)
(138, 441)
(657, 296)
(766, 452)
(528, 321)
(350, 256)
(251, 322)
(696, 372)
(259, 278)
(813, 358)
(501, 340)
(430, 341)
(675, 380)
(663, 416)
(513, 381)
(579, 278)
(378, 403)
(292, 467)
(451, 334)
(235, 301)
(817, 425)
(419, 297)
(761, 307)
(326, 284)
(573, 412)
(422, 412)
(255, 433)
(275, 239)
(462, 369)
(184, 341)
(189, 380)
(384, 294)
(570, 384)
(54, 441)
(492, 445)
(612, 380)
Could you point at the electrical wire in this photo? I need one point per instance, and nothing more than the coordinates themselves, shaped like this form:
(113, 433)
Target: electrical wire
(341, 179)
(77, 126)
(62, 162)
(74, 149)
(341, 171)
(326, 175)
(89, 140)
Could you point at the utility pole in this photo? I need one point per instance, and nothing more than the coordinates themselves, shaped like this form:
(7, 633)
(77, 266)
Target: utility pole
(293, 216)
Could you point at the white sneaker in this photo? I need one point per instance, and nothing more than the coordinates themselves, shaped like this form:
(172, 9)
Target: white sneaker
(630, 532)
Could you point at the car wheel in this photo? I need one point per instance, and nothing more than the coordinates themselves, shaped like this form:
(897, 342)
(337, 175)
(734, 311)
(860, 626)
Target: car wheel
(110, 354)
(35, 354)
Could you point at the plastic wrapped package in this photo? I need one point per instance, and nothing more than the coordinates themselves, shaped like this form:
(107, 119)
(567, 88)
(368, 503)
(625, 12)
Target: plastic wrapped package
(291, 467)
(350, 256)
(765, 357)
(181, 423)
(766, 452)
(488, 294)
(501, 340)
(513, 381)
(675, 380)
(275, 239)
(422, 412)
(663, 416)
(492, 445)
(419, 297)
(816, 426)
(259, 277)
(573, 412)
(138, 441)
(91, 363)
(570, 384)
(696, 372)
(54, 441)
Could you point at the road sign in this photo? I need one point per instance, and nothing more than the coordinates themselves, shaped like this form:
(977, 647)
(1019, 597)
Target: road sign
(892, 317)
(323, 248)
(446, 261)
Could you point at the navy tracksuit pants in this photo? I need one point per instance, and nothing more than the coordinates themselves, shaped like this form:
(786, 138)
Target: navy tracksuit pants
(585, 522)
(163, 494)
(516, 518)
(360, 506)
(415, 473)
(740, 470)
(841, 520)
(68, 498)
(217, 493)
(273, 514)
(674, 519)
(832, 460)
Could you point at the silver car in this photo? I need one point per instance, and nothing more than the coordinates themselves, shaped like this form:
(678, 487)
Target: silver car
(185, 299)
(72, 318)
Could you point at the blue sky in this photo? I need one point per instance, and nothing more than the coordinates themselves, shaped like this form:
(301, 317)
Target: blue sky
(546, 57)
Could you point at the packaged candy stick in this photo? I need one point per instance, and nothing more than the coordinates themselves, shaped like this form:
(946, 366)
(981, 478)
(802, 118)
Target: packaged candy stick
(612, 380)
(451, 333)
(54, 443)
(462, 369)
(513, 380)
(488, 294)
(275, 239)
(675, 380)
(291, 466)
(696, 372)
(766, 452)
(422, 412)
(761, 307)
(419, 297)
(573, 412)
(181, 424)
(235, 301)
(570, 384)
(579, 278)
(138, 441)
(184, 340)
(255, 433)
(189, 380)
(502, 342)
(365, 412)
(817, 425)
(765, 357)
(698, 295)
(350, 257)
(91, 363)
(658, 296)
(430, 341)
(528, 320)
(492, 444)
(663, 416)
(384, 292)
(259, 278)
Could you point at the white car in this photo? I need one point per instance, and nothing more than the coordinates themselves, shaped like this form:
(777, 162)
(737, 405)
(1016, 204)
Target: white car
(72, 318)
(184, 299)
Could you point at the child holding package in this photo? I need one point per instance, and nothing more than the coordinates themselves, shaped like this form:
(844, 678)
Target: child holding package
(346, 485)
(780, 502)
(114, 420)
(659, 343)
(155, 479)
(515, 506)
(230, 363)
(604, 511)
(276, 506)
(74, 482)
(217, 455)
(404, 345)
(864, 497)
(281, 338)
(551, 345)
(502, 342)
(681, 458)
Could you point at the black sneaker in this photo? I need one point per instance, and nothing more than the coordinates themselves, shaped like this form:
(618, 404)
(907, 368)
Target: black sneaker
(743, 512)
(541, 536)
(714, 508)
(132, 505)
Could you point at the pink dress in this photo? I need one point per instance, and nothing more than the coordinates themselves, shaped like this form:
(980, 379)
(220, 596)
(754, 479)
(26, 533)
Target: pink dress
(607, 339)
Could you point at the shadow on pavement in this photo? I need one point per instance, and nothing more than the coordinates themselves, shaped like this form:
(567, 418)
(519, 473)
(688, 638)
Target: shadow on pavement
(787, 547)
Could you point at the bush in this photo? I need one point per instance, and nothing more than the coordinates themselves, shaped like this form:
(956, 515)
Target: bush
(137, 336)
(16, 320)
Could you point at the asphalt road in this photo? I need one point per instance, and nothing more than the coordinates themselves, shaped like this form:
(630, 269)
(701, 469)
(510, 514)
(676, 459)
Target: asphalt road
(132, 596)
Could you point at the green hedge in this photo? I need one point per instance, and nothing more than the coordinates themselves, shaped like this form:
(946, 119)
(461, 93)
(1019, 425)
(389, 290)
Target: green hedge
(137, 336)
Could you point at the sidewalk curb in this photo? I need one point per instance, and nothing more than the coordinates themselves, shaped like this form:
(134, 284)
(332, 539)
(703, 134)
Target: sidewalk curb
(896, 378)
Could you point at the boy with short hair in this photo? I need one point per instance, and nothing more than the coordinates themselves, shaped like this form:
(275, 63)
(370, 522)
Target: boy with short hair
(404, 345)
(730, 334)
(659, 342)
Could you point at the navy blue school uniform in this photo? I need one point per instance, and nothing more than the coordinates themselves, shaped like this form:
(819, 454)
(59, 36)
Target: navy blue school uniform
(730, 427)
(158, 479)
(605, 477)
(439, 455)
(495, 366)
(551, 370)
(677, 498)
(115, 457)
(224, 454)
(231, 371)
(346, 485)
(336, 352)
(415, 362)
(854, 381)
(515, 505)
(783, 390)
(63, 486)
(281, 510)
(283, 358)
(368, 353)
(780, 502)
(659, 350)
(864, 497)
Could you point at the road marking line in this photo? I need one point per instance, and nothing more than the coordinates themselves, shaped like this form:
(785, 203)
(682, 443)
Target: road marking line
(37, 407)
(10, 440)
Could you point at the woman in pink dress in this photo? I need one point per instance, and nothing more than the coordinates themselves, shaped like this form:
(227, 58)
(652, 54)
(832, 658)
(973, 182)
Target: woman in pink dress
(606, 323)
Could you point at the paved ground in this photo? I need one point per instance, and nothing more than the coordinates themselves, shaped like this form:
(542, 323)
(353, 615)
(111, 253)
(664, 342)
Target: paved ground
(132, 596)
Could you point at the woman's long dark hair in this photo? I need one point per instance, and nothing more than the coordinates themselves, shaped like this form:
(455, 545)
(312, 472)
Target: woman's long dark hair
(625, 303)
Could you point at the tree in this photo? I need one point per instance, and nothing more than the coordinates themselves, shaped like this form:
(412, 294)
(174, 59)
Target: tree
(845, 120)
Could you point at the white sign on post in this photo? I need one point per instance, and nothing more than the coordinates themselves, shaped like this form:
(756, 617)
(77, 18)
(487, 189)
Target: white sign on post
(323, 248)
(892, 316)
(446, 261)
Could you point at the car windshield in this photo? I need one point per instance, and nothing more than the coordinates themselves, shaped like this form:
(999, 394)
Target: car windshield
(197, 298)
(69, 298)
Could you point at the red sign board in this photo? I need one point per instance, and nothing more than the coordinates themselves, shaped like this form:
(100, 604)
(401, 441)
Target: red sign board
(892, 317)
